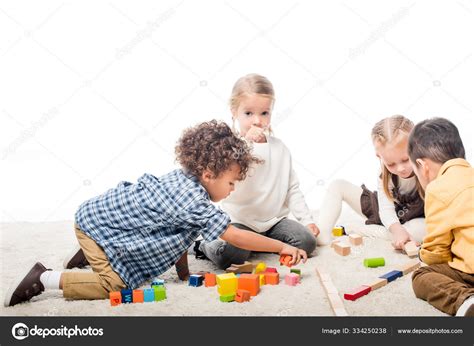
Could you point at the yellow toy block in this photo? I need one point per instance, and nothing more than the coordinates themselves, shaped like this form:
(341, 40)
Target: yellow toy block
(338, 231)
(262, 279)
(227, 284)
(260, 268)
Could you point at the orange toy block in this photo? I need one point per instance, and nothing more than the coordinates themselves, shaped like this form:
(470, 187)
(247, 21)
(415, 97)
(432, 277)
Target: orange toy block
(285, 260)
(209, 279)
(242, 296)
(272, 278)
(137, 296)
(249, 282)
(115, 298)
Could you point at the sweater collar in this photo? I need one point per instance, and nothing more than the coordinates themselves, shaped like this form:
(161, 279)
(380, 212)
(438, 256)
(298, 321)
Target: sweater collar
(450, 163)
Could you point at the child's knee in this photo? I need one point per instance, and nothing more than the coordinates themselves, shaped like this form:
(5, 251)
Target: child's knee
(419, 287)
(308, 243)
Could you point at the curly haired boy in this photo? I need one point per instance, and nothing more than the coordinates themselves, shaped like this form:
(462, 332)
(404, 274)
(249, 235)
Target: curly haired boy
(136, 231)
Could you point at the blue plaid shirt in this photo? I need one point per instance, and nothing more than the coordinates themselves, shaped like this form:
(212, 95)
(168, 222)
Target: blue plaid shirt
(144, 228)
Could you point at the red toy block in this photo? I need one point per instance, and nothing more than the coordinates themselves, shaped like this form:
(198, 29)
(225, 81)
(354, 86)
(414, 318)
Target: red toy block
(242, 296)
(209, 279)
(270, 270)
(249, 282)
(272, 278)
(115, 298)
(137, 296)
(285, 260)
(357, 292)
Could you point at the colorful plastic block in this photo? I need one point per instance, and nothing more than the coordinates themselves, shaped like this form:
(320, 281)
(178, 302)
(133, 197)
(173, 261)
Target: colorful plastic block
(137, 296)
(246, 267)
(115, 298)
(148, 295)
(195, 280)
(292, 279)
(272, 278)
(296, 271)
(260, 268)
(355, 239)
(249, 282)
(285, 260)
(157, 282)
(374, 262)
(242, 296)
(338, 231)
(126, 296)
(262, 279)
(226, 298)
(271, 270)
(160, 293)
(357, 293)
(227, 283)
(210, 279)
(393, 275)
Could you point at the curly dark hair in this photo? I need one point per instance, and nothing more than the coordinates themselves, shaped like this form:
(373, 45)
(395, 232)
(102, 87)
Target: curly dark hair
(212, 145)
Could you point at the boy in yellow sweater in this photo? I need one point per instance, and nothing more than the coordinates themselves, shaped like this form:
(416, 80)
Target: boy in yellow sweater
(437, 154)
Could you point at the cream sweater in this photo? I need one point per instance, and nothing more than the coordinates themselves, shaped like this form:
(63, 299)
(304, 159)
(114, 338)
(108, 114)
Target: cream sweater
(270, 191)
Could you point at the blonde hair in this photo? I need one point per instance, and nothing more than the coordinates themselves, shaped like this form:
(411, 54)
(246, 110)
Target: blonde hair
(247, 85)
(392, 130)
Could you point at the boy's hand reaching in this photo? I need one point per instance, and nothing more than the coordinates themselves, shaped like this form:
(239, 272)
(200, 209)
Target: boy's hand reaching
(400, 236)
(296, 254)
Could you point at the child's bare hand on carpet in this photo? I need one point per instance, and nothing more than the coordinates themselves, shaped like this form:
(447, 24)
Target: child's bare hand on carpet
(314, 229)
(296, 254)
(400, 236)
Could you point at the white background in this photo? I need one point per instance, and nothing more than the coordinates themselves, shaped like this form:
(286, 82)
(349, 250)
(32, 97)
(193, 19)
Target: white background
(95, 92)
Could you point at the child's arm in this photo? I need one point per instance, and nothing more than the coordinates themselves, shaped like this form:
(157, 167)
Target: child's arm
(252, 241)
(182, 268)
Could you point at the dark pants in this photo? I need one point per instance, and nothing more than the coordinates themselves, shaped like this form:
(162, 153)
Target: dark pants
(443, 287)
(290, 232)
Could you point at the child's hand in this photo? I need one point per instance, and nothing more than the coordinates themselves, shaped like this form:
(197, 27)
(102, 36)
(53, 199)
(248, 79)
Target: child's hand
(296, 254)
(314, 229)
(255, 134)
(400, 236)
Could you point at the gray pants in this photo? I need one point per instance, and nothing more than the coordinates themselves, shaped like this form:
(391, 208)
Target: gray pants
(290, 232)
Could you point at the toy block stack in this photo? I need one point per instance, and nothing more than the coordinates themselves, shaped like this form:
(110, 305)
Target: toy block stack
(292, 279)
(157, 292)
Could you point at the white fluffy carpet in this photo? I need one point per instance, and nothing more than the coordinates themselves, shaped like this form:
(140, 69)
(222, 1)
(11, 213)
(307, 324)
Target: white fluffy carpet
(24, 243)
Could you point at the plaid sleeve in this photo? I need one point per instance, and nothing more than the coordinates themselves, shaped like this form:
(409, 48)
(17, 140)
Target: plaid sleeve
(210, 220)
(216, 225)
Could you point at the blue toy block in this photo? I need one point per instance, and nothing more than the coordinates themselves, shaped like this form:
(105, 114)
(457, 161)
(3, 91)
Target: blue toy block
(196, 280)
(393, 275)
(127, 296)
(148, 295)
(158, 282)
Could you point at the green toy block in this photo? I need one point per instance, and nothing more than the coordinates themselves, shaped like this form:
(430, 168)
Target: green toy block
(160, 293)
(226, 298)
(227, 284)
(374, 262)
(296, 271)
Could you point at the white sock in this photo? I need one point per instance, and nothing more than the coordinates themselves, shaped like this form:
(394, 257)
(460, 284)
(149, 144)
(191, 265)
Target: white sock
(464, 306)
(50, 279)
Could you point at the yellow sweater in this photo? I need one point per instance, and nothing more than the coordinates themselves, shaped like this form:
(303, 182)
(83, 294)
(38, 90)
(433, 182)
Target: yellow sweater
(449, 213)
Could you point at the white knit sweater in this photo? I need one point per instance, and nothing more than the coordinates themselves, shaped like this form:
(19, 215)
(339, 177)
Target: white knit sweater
(270, 191)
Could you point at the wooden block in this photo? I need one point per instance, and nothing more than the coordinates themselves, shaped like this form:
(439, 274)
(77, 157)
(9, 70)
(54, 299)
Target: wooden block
(272, 278)
(260, 268)
(391, 276)
(115, 298)
(330, 288)
(292, 279)
(338, 231)
(342, 250)
(285, 260)
(409, 266)
(209, 279)
(137, 296)
(249, 282)
(355, 239)
(246, 267)
(356, 293)
(242, 296)
(323, 275)
(148, 295)
(226, 298)
(335, 300)
(126, 296)
(340, 312)
(335, 241)
(377, 283)
(411, 249)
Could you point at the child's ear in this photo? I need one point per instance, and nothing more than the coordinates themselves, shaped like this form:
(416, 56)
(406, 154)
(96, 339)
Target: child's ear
(207, 175)
(423, 167)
